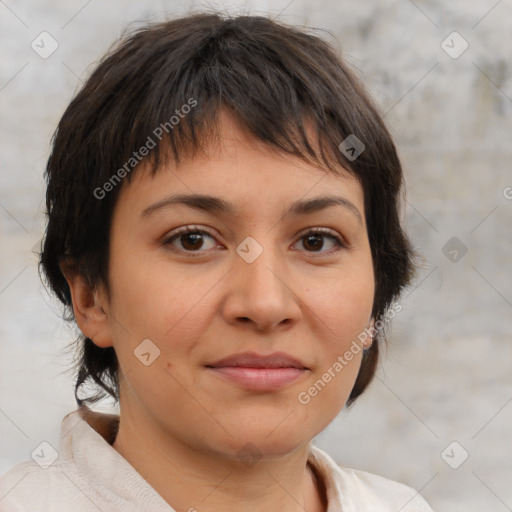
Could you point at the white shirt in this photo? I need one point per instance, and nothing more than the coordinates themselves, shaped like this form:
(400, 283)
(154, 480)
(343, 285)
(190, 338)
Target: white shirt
(88, 475)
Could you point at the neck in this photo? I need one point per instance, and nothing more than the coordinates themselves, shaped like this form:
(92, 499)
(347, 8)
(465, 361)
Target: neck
(189, 478)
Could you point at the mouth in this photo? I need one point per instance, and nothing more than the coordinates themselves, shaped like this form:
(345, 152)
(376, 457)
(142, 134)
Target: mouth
(259, 372)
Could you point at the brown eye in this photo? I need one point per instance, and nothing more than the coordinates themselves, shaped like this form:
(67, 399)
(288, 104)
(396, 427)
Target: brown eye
(314, 241)
(190, 239)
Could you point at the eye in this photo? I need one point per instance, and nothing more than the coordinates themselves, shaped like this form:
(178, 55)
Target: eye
(314, 240)
(191, 239)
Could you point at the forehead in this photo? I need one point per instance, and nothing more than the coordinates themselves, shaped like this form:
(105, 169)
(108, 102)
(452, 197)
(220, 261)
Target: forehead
(243, 170)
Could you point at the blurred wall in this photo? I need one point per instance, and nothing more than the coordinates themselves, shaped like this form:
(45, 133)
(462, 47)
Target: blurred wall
(438, 415)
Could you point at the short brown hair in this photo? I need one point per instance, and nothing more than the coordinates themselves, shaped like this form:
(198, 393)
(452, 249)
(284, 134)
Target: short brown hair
(275, 79)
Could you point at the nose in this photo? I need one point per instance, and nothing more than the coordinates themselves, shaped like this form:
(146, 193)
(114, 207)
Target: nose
(260, 293)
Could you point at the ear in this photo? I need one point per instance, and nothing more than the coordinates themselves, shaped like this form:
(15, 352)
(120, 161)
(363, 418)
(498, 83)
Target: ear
(90, 307)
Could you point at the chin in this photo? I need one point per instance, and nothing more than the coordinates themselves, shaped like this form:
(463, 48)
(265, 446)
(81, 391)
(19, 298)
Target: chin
(267, 439)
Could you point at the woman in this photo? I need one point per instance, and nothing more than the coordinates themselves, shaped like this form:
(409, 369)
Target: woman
(223, 225)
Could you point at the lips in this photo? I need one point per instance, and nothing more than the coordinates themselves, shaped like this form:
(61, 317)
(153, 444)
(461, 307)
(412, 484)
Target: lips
(257, 372)
(253, 360)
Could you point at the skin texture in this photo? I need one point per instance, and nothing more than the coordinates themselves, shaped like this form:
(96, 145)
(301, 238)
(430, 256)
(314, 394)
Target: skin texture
(182, 425)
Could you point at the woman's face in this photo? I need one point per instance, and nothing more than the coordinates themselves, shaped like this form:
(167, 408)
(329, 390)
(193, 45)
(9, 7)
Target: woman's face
(253, 281)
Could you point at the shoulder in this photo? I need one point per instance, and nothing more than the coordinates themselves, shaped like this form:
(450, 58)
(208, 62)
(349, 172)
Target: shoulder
(28, 487)
(360, 490)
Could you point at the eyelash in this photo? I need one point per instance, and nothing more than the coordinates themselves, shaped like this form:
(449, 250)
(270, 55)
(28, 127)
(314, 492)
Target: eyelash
(340, 243)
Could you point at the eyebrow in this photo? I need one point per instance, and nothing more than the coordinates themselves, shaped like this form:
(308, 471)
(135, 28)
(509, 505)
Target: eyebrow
(214, 204)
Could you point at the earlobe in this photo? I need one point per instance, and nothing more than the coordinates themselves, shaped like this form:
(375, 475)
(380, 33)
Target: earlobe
(89, 308)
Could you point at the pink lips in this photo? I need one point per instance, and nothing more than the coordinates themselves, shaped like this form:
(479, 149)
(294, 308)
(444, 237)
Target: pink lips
(258, 372)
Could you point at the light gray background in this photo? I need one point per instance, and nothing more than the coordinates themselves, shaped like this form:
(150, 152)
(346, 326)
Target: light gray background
(446, 374)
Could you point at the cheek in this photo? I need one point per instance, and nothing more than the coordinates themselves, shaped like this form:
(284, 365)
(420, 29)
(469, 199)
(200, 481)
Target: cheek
(342, 306)
(169, 308)
(343, 303)
(143, 290)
